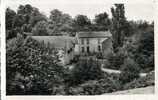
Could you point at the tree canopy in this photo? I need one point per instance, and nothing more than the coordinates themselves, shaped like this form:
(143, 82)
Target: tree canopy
(118, 25)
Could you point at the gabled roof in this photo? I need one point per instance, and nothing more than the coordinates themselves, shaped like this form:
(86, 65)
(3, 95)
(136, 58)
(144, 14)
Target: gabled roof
(100, 34)
(57, 41)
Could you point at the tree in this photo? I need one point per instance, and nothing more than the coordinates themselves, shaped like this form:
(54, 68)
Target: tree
(31, 68)
(25, 12)
(36, 16)
(118, 26)
(59, 22)
(40, 29)
(10, 14)
(102, 21)
(139, 48)
(145, 51)
(19, 21)
(55, 16)
(27, 17)
(82, 23)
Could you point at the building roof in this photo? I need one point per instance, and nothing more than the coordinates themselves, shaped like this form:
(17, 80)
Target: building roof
(100, 34)
(57, 41)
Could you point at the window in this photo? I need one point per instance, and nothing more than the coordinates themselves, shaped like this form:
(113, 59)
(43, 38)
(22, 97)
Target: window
(99, 41)
(87, 49)
(99, 48)
(82, 49)
(87, 41)
(82, 41)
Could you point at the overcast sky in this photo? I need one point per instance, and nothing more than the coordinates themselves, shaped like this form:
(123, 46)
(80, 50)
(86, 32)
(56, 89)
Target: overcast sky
(133, 10)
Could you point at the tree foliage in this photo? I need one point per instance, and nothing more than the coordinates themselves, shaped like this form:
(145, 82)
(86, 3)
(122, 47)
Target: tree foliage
(85, 70)
(129, 71)
(40, 29)
(10, 14)
(102, 21)
(82, 23)
(22, 21)
(59, 22)
(31, 68)
(118, 25)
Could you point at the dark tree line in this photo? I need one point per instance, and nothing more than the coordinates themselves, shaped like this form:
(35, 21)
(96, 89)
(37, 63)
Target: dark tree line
(23, 20)
(30, 20)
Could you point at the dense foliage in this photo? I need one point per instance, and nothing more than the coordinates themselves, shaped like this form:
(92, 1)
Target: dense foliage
(59, 22)
(83, 71)
(114, 61)
(23, 20)
(148, 80)
(27, 19)
(40, 29)
(118, 25)
(129, 71)
(95, 87)
(140, 46)
(102, 21)
(31, 68)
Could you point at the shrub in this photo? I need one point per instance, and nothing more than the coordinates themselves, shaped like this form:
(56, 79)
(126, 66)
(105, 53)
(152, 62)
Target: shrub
(96, 87)
(145, 62)
(115, 61)
(31, 68)
(129, 71)
(83, 71)
(148, 80)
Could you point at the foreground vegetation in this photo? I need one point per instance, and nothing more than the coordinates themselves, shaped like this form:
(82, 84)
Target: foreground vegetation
(31, 69)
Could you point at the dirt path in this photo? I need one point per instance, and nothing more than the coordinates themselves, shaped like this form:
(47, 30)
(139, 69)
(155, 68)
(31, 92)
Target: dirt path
(145, 90)
(118, 71)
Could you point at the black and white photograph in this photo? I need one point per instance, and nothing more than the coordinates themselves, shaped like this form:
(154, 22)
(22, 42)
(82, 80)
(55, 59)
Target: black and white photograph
(78, 47)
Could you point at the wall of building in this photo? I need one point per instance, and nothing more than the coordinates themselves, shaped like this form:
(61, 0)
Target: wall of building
(93, 44)
(65, 57)
(68, 57)
(107, 47)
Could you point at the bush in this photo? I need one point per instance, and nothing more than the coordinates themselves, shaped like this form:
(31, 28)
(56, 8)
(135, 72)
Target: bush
(129, 71)
(148, 80)
(83, 71)
(145, 62)
(96, 87)
(31, 68)
(115, 61)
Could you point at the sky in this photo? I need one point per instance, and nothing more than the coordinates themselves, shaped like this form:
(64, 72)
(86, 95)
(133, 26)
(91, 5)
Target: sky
(139, 10)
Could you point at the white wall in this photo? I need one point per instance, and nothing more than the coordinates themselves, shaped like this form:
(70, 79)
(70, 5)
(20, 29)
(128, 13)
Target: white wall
(68, 57)
(65, 57)
(93, 44)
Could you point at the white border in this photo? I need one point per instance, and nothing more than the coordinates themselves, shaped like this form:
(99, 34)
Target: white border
(3, 70)
(156, 45)
(102, 97)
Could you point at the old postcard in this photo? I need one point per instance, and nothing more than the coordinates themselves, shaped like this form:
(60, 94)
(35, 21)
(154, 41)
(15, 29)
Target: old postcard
(79, 48)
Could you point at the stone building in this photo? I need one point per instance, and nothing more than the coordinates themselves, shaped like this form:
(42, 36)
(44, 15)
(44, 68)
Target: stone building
(85, 43)
(63, 44)
(93, 42)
